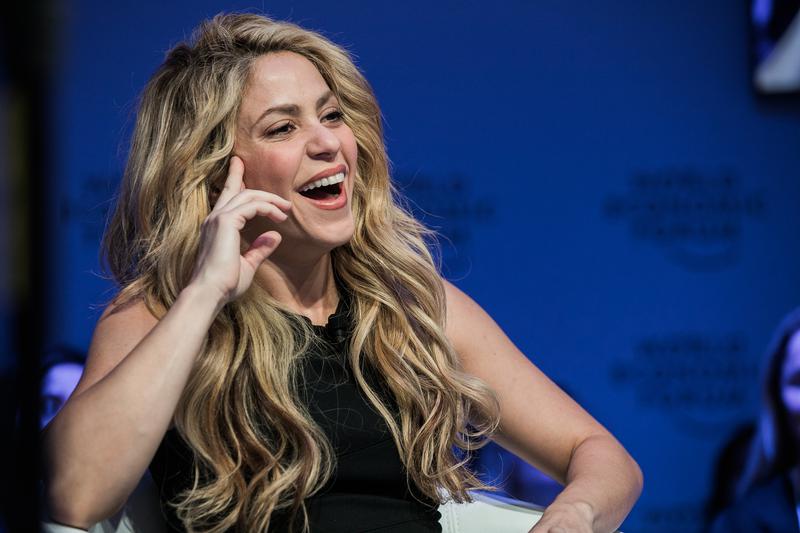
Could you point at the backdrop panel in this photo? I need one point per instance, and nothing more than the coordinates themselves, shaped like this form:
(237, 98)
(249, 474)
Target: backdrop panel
(607, 185)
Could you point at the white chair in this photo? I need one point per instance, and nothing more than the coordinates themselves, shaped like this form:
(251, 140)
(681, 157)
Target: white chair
(486, 514)
(489, 514)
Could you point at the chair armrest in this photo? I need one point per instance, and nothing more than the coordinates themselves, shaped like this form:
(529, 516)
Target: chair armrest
(52, 527)
(489, 513)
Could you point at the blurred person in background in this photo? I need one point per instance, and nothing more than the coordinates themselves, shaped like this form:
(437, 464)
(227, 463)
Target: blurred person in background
(730, 465)
(769, 490)
(61, 370)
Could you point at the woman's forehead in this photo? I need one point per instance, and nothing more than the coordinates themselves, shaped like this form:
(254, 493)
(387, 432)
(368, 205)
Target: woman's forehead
(278, 81)
(283, 78)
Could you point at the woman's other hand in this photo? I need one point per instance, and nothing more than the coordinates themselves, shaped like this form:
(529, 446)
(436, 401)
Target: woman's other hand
(565, 518)
(221, 265)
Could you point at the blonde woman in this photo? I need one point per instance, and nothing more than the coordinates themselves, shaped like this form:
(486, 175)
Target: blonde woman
(283, 353)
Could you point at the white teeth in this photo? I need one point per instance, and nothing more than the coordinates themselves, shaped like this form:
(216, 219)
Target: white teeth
(322, 182)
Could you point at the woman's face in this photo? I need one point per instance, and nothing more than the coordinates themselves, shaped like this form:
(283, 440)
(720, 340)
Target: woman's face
(290, 134)
(790, 382)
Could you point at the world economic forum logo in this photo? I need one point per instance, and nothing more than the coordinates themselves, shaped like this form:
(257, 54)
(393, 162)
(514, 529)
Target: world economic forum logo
(697, 219)
(703, 381)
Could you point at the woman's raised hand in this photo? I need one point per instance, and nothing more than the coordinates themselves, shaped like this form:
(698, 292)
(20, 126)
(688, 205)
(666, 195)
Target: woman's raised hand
(221, 265)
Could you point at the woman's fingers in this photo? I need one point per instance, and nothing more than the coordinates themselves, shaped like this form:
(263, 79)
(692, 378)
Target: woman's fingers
(221, 264)
(235, 194)
(233, 183)
(261, 248)
(242, 213)
(248, 195)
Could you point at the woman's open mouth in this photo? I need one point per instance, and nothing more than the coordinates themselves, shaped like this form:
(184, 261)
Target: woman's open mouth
(326, 193)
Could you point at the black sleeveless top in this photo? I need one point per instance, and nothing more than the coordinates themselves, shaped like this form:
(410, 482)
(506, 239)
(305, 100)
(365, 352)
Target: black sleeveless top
(368, 491)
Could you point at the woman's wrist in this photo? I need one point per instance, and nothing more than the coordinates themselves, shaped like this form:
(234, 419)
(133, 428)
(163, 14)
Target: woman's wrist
(580, 507)
(567, 516)
(199, 296)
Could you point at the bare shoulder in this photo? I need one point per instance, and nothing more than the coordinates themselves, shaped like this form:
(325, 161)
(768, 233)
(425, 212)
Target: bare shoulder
(467, 323)
(487, 352)
(457, 301)
(544, 435)
(120, 328)
(484, 348)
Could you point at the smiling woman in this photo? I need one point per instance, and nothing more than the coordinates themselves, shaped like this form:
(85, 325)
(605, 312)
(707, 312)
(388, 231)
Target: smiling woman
(293, 140)
(282, 351)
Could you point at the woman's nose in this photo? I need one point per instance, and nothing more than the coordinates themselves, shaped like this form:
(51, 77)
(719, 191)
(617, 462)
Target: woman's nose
(323, 142)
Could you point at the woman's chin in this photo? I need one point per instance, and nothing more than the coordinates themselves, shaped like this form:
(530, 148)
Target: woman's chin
(335, 234)
(333, 242)
(318, 242)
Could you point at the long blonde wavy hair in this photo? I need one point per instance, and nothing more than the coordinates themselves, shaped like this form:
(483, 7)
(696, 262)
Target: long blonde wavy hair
(256, 448)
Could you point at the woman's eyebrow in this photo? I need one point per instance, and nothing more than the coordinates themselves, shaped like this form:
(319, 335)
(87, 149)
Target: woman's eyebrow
(293, 110)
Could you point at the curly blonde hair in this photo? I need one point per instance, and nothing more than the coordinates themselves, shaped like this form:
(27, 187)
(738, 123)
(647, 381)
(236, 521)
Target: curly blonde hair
(256, 448)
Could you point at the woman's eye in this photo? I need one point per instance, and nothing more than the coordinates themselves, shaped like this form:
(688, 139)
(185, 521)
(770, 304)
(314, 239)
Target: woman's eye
(280, 130)
(334, 116)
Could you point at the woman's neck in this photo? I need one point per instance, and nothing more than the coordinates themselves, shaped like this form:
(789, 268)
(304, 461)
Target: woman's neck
(307, 288)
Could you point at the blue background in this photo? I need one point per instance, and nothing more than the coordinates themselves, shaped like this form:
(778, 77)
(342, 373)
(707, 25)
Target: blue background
(606, 183)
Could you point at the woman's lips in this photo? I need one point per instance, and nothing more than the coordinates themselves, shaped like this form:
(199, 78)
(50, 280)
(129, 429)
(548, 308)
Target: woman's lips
(332, 202)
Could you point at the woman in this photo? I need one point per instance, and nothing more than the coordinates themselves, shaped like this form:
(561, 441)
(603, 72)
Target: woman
(769, 490)
(256, 204)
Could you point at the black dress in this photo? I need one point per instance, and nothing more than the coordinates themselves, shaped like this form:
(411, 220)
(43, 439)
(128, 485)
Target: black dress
(368, 491)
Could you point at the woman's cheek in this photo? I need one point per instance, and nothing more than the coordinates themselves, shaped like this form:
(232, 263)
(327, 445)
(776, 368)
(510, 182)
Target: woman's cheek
(270, 175)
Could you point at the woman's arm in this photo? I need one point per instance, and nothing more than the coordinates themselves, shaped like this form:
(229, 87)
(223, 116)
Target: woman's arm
(102, 440)
(544, 426)
(100, 443)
